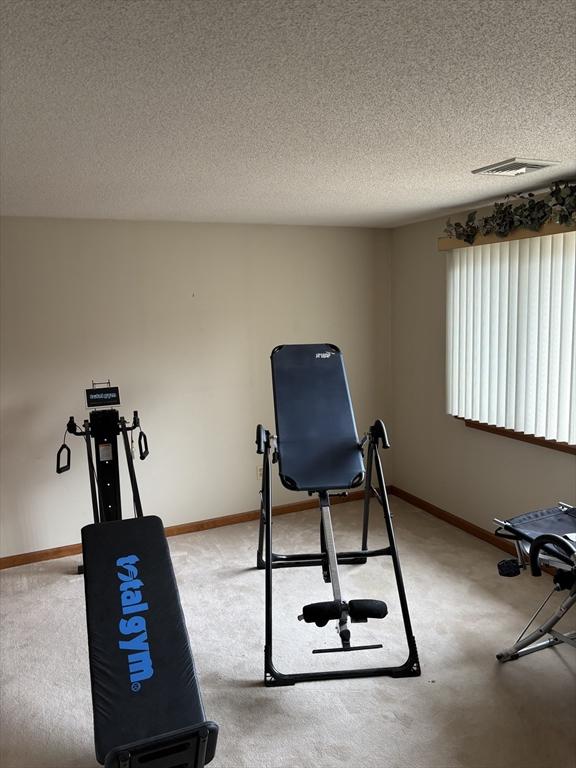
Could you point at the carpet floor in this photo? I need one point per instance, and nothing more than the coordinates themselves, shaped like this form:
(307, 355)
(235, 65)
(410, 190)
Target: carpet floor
(465, 711)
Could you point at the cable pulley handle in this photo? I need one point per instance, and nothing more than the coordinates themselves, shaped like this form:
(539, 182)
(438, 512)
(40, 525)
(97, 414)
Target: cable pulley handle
(143, 445)
(551, 539)
(63, 464)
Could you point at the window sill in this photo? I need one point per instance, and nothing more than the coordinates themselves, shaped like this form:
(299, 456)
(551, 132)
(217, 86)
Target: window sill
(564, 447)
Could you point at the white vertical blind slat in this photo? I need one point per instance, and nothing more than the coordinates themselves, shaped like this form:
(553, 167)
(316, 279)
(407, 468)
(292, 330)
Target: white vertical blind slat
(554, 337)
(512, 336)
(462, 336)
(469, 343)
(544, 277)
(502, 256)
(566, 343)
(484, 335)
(476, 306)
(494, 339)
(532, 258)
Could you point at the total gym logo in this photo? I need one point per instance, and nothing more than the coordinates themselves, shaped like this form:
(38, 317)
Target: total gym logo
(133, 626)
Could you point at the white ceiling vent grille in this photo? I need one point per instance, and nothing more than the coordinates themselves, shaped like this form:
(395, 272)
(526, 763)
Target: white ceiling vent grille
(516, 166)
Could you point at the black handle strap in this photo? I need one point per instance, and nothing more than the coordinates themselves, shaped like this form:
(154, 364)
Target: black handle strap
(63, 459)
(143, 445)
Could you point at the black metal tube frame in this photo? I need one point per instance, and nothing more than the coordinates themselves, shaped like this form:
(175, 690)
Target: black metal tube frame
(73, 429)
(352, 557)
(130, 462)
(273, 677)
(91, 471)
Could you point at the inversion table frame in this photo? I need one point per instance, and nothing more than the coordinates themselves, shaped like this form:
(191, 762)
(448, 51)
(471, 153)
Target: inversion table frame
(544, 537)
(270, 447)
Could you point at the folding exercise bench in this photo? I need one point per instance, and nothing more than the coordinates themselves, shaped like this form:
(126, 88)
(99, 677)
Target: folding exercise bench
(546, 537)
(147, 705)
(317, 449)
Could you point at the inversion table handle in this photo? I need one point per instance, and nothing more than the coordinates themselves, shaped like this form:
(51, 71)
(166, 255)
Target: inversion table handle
(378, 431)
(260, 439)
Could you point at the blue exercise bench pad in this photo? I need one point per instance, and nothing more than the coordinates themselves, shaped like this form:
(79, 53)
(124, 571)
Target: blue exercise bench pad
(318, 447)
(143, 678)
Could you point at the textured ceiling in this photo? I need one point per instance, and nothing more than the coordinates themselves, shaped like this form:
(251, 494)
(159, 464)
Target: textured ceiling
(355, 112)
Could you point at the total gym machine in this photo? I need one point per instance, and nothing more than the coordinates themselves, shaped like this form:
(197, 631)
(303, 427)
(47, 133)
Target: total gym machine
(148, 708)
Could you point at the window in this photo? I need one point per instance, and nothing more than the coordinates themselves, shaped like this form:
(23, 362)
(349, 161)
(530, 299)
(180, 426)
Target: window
(511, 335)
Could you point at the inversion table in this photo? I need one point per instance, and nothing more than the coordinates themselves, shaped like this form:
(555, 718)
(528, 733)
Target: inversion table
(317, 449)
(545, 537)
(148, 711)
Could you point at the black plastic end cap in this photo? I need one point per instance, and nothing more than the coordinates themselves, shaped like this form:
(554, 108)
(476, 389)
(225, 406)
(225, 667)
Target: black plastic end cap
(260, 439)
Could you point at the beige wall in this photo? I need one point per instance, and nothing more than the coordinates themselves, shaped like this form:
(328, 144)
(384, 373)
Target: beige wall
(472, 474)
(183, 318)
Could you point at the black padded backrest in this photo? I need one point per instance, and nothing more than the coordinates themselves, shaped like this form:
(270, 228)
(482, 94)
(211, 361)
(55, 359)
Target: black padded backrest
(318, 447)
(143, 677)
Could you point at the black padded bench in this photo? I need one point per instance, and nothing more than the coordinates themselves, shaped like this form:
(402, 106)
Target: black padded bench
(148, 709)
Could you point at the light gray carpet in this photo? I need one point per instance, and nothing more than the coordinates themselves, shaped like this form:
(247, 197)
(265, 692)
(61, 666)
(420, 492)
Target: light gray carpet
(466, 711)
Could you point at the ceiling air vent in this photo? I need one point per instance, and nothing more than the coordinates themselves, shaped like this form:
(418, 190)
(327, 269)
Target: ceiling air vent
(516, 166)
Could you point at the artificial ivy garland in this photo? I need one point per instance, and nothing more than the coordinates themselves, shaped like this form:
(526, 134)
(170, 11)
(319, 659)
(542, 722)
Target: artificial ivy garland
(558, 206)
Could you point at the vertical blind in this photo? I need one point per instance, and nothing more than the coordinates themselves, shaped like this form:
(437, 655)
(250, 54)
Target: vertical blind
(511, 335)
